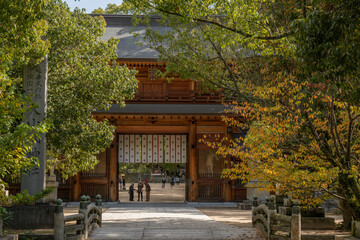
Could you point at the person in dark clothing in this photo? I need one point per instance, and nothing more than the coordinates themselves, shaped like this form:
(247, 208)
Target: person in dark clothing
(163, 180)
(172, 183)
(147, 190)
(131, 192)
(140, 190)
(123, 182)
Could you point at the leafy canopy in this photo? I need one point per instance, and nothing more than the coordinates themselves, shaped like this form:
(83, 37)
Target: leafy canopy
(22, 31)
(82, 78)
(290, 71)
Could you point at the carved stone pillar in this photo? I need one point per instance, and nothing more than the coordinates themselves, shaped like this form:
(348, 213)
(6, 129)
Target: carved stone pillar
(35, 85)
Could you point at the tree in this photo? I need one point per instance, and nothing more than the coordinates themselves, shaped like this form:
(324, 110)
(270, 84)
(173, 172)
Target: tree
(291, 69)
(111, 8)
(22, 29)
(82, 79)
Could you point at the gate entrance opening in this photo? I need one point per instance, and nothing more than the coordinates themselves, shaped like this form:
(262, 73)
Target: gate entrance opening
(159, 159)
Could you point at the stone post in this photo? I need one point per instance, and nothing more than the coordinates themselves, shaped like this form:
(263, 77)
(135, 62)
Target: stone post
(88, 200)
(295, 222)
(287, 202)
(272, 203)
(83, 202)
(59, 223)
(84, 210)
(254, 205)
(35, 85)
(98, 203)
(51, 182)
(267, 201)
(271, 211)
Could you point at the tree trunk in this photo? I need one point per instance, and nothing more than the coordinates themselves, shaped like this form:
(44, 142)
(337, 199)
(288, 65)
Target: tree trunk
(349, 209)
(347, 213)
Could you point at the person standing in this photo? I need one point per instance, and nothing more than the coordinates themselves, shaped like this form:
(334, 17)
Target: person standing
(163, 181)
(172, 183)
(147, 190)
(131, 192)
(123, 182)
(140, 190)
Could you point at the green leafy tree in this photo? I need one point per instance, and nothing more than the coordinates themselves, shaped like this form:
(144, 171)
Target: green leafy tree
(82, 79)
(22, 29)
(292, 70)
(124, 8)
(111, 8)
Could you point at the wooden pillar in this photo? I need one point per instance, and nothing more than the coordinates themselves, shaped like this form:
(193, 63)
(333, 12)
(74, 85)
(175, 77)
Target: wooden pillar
(193, 88)
(227, 183)
(76, 187)
(227, 190)
(193, 190)
(113, 172)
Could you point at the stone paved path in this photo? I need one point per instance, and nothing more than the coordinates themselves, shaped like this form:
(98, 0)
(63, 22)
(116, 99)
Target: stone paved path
(165, 221)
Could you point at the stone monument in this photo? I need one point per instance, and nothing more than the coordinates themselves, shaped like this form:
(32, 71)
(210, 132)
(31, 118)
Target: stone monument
(35, 85)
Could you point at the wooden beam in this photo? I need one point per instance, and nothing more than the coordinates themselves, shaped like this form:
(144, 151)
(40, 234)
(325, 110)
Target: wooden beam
(152, 129)
(95, 180)
(209, 129)
(228, 186)
(203, 119)
(152, 123)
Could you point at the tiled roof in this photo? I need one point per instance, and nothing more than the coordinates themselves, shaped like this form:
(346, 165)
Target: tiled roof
(120, 27)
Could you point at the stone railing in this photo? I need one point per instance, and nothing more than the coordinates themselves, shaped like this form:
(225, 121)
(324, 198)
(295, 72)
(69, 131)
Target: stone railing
(271, 223)
(89, 216)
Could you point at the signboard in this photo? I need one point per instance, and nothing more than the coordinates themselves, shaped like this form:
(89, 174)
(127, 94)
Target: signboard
(152, 148)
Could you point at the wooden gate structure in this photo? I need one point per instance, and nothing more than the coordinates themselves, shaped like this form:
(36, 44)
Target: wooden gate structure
(160, 108)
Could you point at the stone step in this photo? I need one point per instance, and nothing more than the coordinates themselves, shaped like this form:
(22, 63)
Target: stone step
(325, 235)
(243, 206)
(212, 204)
(317, 237)
(318, 223)
(345, 237)
(248, 202)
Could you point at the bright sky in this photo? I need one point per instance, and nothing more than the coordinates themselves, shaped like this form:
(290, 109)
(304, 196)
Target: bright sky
(90, 5)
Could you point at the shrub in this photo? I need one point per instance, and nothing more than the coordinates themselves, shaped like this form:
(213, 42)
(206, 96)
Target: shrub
(24, 198)
(5, 216)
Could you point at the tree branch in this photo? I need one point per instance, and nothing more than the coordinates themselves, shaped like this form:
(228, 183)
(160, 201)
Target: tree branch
(212, 22)
(333, 194)
(348, 150)
(323, 145)
(333, 117)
